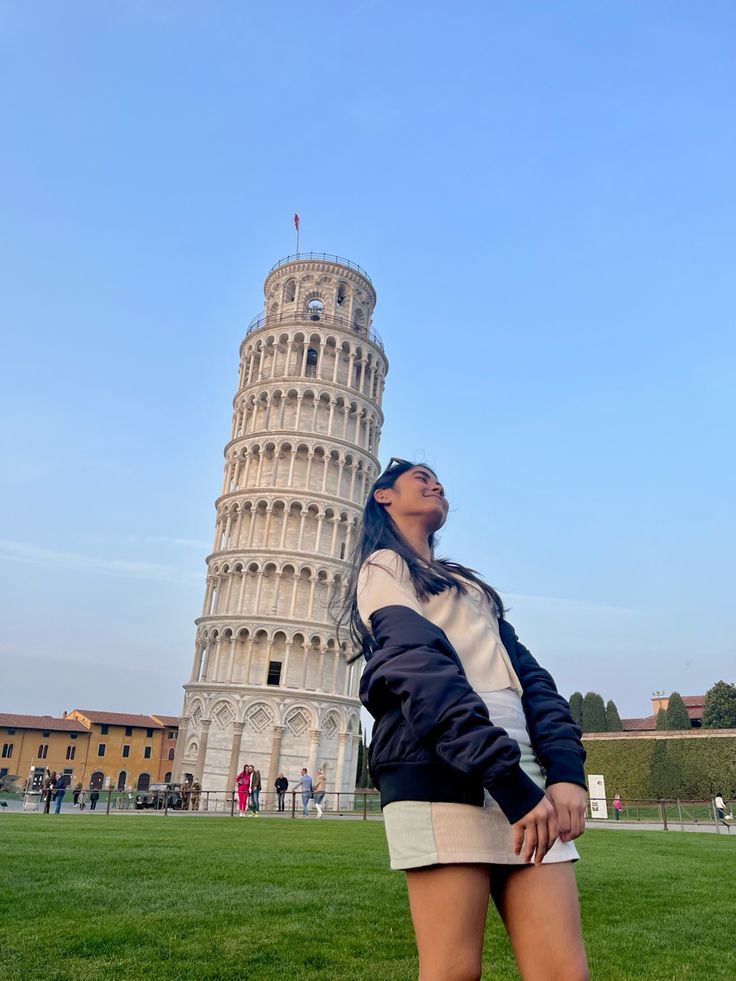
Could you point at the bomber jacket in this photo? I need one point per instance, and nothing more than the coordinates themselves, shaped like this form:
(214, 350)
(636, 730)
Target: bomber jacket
(433, 739)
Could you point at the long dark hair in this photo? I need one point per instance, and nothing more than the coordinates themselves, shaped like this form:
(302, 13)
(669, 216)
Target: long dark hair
(378, 531)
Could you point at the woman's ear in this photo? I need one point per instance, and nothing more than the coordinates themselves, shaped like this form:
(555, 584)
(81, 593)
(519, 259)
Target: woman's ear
(382, 496)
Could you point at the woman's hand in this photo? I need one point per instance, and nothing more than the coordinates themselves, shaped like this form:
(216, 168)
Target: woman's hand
(536, 832)
(570, 802)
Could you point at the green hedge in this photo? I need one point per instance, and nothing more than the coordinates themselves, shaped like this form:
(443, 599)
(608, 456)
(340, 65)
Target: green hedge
(652, 768)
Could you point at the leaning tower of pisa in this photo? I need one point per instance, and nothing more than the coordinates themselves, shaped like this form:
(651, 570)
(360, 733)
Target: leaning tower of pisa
(269, 684)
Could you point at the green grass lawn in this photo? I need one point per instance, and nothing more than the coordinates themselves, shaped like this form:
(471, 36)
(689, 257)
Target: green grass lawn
(142, 897)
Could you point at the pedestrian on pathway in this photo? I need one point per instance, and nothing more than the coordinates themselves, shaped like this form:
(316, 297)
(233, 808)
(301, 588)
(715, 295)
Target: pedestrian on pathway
(59, 791)
(616, 808)
(305, 785)
(281, 785)
(242, 782)
(254, 791)
(319, 786)
(75, 795)
(93, 798)
(482, 793)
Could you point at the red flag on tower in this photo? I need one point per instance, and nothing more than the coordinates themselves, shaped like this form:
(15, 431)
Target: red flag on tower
(296, 221)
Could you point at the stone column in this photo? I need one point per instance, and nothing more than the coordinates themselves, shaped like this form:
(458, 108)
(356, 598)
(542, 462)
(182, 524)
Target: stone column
(314, 735)
(199, 768)
(340, 769)
(181, 746)
(234, 768)
(273, 767)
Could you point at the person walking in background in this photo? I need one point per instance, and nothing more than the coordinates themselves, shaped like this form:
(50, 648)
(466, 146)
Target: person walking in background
(242, 782)
(319, 787)
(59, 791)
(305, 785)
(476, 755)
(616, 808)
(75, 796)
(720, 806)
(49, 782)
(281, 785)
(93, 798)
(196, 794)
(254, 791)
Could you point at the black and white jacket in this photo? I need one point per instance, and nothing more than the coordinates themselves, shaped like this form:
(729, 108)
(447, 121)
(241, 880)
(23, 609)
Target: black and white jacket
(433, 739)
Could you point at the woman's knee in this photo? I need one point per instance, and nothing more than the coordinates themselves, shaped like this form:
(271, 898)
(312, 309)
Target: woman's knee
(460, 967)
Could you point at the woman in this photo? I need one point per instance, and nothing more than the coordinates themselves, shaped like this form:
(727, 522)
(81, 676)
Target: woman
(465, 719)
(318, 788)
(242, 782)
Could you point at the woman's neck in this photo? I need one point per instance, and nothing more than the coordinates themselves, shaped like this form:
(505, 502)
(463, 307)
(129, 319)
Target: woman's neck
(416, 536)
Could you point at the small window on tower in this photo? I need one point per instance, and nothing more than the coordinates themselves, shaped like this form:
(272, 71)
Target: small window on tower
(314, 309)
(311, 369)
(341, 294)
(274, 673)
(290, 291)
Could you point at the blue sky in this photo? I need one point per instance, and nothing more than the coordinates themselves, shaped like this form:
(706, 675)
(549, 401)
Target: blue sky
(543, 195)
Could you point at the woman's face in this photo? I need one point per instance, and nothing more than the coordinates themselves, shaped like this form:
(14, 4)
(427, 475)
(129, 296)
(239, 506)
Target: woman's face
(417, 493)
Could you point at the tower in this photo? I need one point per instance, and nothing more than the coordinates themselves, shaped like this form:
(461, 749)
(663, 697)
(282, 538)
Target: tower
(269, 684)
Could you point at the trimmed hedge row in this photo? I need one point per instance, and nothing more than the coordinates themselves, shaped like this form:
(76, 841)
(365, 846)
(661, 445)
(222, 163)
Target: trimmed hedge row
(652, 768)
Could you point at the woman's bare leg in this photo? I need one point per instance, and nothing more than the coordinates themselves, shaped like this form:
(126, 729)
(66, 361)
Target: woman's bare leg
(448, 908)
(539, 907)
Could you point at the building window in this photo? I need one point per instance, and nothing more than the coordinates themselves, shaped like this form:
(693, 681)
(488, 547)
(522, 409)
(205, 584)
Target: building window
(167, 778)
(11, 732)
(101, 749)
(104, 730)
(274, 673)
(7, 750)
(3, 771)
(172, 734)
(144, 781)
(46, 734)
(311, 368)
(70, 752)
(73, 735)
(147, 753)
(149, 733)
(315, 308)
(126, 751)
(290, 291)
(129, 730)
(43, 751)
(171, 753)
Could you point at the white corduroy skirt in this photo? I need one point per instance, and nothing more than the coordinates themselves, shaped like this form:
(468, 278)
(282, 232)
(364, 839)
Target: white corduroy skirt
(422, 833)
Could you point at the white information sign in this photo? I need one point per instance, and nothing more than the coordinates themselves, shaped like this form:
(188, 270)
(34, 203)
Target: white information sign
(597, 791)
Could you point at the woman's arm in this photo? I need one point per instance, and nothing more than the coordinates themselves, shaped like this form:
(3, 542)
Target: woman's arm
(554, 735)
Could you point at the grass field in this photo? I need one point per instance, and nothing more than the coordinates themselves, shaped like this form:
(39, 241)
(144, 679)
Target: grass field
(134, 897)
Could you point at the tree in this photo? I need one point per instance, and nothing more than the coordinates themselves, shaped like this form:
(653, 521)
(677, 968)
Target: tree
(362, 777)
(661, 722)
(594, 713)
(677, 717)
(576, 708)
(613, 719)
(719, 711)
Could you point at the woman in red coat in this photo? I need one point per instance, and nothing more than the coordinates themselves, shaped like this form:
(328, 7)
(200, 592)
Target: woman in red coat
(242, 782)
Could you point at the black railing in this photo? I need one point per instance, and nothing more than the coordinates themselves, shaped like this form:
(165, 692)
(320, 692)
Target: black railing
(304, 319)
(324, 257)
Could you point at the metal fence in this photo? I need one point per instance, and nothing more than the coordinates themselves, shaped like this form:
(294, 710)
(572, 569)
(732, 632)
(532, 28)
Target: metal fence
(668, 814)
(360, 804)
(675, 814)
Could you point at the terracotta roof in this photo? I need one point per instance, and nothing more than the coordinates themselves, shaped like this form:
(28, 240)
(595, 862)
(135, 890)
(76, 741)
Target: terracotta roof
(639, 725)
(120, 719)
(11, 721)
(170, 721)
(693, 701)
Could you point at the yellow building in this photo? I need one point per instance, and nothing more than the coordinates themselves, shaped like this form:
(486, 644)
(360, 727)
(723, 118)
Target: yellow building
(31, 744)
(125, 751)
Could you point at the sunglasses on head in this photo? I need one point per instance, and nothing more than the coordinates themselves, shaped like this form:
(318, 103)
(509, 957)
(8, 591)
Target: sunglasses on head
(396, 461)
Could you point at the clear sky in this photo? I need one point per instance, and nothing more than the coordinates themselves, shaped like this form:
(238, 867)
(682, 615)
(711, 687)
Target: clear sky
(544, 196)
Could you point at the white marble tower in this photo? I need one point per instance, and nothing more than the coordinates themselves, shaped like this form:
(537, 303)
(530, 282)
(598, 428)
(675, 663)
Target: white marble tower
(269, 684)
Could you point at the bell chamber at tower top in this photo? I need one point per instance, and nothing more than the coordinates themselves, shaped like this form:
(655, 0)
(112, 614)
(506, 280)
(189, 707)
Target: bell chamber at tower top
(316, 334)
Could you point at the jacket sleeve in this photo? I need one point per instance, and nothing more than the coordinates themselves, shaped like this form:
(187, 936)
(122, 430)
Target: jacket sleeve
(416, 664)
(555, 737)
